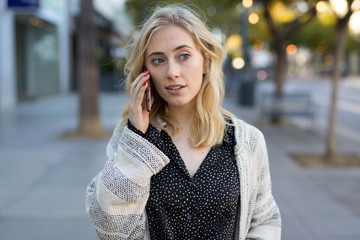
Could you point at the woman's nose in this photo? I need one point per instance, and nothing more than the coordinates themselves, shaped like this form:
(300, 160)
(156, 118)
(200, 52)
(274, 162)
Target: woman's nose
(173, 70)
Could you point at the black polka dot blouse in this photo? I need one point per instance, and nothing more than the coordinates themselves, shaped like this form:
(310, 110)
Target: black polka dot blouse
(200, 207)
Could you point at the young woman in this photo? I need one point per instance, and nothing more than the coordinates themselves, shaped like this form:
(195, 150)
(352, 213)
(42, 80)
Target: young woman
(186, 168)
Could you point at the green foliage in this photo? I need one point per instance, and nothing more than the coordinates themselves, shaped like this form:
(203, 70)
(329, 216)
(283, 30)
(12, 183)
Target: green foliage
(259, 31)
(225, 15)
(315, 33)
(219, 13)
(353, 44)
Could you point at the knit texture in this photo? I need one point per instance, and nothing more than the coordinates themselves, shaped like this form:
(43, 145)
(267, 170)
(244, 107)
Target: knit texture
(117, 196)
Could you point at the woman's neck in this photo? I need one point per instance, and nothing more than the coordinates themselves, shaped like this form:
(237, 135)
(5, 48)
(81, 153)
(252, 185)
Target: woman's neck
(183, 116)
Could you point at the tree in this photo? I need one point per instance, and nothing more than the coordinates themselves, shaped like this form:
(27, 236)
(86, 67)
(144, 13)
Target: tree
(281, 34)
(88, 74)
(314, 35)
(220, 13)
(334, 35)
(340, 45)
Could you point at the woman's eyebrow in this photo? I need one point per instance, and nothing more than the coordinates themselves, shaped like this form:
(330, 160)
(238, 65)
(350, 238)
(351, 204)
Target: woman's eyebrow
(156, 53)
(175, 49)
(182, 46)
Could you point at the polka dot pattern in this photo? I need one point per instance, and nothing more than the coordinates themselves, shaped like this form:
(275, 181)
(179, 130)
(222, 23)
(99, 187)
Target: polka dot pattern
(200, 207)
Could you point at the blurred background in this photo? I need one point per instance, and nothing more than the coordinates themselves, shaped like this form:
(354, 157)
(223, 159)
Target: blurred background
(292, 69)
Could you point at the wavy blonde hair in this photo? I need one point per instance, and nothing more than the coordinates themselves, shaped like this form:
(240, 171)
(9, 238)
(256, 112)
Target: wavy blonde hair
(210, 118)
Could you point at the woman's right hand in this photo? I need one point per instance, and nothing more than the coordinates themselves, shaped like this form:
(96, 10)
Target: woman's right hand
(138, 115)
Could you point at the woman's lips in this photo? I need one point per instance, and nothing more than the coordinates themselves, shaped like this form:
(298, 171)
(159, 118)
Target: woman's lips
(174, 88)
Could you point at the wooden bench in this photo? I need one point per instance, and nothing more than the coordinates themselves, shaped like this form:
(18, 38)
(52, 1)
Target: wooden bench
(288, 105)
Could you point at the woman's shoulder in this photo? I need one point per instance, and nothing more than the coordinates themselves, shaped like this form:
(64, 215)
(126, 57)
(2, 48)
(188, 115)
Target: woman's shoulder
(249, 140)
(247, 134)
(244, 128)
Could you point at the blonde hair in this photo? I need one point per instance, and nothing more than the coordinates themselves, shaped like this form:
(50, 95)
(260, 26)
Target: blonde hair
(210, 118)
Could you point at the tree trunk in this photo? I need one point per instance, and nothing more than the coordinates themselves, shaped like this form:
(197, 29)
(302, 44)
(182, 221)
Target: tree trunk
(330, 152)
(280, 36)
(88, 70)
(280, 74)
(281, 67)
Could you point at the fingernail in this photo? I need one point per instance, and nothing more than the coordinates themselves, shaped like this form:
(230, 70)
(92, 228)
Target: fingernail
(145, 70)
(144, 83)
(146, 74)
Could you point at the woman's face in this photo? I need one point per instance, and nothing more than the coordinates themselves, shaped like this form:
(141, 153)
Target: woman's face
(176, 66)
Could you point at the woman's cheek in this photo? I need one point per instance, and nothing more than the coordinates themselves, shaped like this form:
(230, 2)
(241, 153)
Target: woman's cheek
(157, 88)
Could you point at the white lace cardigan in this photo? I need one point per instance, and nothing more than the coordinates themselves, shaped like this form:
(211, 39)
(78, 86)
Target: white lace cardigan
(116, 197)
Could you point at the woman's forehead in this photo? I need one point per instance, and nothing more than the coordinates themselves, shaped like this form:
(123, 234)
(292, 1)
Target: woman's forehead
(169, 38)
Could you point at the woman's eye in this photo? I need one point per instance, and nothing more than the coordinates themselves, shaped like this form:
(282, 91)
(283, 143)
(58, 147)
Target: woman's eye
(184, 56)
(157, 60)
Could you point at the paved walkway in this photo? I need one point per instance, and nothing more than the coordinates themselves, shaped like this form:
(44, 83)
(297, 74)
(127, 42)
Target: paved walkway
(43, 177)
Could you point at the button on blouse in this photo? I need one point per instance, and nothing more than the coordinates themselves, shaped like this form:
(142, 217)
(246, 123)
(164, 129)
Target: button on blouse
(200, 207)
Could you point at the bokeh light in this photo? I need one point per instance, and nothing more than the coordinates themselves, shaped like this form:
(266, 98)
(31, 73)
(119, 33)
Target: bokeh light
(321, 6)
(329, 59)
(261, 75)
(238, 63)
(291, 49)
(354, 23)
(253, 18)
(355, 6)
(340, 7)
(233, 43)
(258, 45)
(247, 3)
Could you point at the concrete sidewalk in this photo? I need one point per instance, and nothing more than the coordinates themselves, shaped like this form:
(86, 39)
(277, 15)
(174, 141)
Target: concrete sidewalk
(43, 177)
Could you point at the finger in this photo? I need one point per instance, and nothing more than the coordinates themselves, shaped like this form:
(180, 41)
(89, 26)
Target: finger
(141, 87)
(139, 93)
(135, 91)
(137, 80)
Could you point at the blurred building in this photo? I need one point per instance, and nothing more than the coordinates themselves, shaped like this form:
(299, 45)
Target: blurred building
(37, 48)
